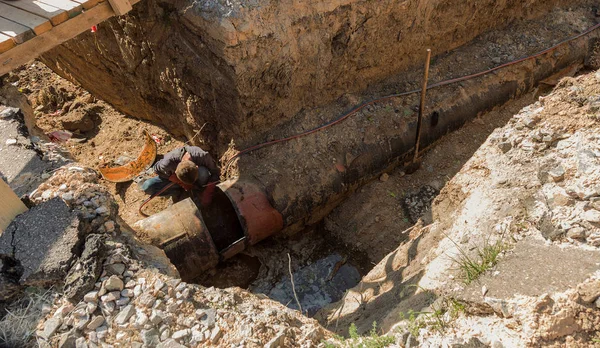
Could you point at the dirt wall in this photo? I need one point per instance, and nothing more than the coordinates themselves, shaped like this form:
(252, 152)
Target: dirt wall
(242, 68)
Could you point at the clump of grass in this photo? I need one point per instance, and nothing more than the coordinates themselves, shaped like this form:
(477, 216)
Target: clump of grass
(19, 323)
(438, 319)
(372, 340)
(486, 258)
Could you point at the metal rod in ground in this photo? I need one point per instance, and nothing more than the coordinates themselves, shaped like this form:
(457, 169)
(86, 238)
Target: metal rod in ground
(422, 104)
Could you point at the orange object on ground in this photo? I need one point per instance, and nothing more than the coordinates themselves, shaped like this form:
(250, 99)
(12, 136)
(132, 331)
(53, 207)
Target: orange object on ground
(134, 168)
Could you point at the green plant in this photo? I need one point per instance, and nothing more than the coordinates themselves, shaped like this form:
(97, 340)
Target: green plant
(439, 318)
(486, 258)
(355, 340)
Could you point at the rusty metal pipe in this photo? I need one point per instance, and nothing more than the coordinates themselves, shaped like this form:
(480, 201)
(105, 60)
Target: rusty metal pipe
(196, 240)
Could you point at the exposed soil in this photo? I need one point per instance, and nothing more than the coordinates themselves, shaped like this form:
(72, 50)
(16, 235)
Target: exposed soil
(113, 135)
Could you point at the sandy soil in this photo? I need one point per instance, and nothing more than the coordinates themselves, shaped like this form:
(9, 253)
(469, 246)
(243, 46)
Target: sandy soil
(112, 136)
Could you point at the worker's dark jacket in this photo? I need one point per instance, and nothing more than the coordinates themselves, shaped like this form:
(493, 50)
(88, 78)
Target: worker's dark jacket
(167, 166)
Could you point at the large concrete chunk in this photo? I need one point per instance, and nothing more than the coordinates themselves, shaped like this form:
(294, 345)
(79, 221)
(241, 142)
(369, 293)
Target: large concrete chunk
(243, 67)
(44, 240)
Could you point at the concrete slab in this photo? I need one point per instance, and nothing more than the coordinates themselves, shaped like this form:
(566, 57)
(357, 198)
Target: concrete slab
(45, 240)
(534, 268)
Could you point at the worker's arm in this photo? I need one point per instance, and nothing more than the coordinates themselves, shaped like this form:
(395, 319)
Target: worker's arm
(166, 167)
(203, 158)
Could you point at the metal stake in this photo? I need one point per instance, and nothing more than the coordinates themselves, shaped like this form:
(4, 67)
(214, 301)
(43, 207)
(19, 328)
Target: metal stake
(422, 105)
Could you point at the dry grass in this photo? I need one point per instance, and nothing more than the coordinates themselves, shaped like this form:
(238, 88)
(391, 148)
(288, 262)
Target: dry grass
(19, 323)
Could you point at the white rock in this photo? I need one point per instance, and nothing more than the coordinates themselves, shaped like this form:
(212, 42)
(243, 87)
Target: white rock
(81, 343)
(592, 216)
(146, 300)
(50, 327)
(156, 317)
(181, 334)
(173, 282)
(130, 284)
(121, 335)
(141, 319)
(137, 290)
(67, 197)
(276, 341)
(165, 334)
(11, 141)
(158, 284)
(215, 335)
(63, 187)
(125, 314)
(93, 337)
(101, 332)
(91, 307)
(597, 303)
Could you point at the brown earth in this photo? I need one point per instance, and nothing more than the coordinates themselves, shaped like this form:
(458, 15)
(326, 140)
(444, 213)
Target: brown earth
(56, 101)
(243, 68)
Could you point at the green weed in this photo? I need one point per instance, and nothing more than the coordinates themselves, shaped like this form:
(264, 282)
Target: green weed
(486, 258)
(372, 340)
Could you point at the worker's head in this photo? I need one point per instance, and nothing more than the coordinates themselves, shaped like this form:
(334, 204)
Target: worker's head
(187, 172)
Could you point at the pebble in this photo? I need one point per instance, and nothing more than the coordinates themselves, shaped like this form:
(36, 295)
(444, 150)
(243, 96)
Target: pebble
(141, 319)
(91, 307)
(9, 112)
(110, 226)
(215, 335)
(81, 343)
(50, 327)
(11, 141)
(111, 296)
(181, 334)
(576, 233)
(384, 177)
(158, 284)
(115, 268)
(156, 317)
(592, 216)
(130, 284)
(101, 332)
(146, 300)
(102, 210)
(127, 293)
(170, 343)
(122, 301)
(114, 283)
(276, 341)
(125, 314)
(96, 322)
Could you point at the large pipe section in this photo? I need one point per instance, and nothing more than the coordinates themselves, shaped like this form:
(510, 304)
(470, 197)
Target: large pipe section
(305, 185)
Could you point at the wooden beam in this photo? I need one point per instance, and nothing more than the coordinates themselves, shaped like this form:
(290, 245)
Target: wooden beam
(71, 7)
(120, 7)
(6, 43)
(33, 48)
(10, 206)
(38, 24)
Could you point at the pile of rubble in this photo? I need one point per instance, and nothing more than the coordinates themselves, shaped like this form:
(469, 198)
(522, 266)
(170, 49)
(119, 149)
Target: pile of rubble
(112, 298)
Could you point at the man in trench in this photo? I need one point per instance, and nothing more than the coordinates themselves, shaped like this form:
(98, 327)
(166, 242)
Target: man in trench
(188, 167)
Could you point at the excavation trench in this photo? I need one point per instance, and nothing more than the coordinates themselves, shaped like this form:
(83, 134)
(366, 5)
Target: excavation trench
(289, 188)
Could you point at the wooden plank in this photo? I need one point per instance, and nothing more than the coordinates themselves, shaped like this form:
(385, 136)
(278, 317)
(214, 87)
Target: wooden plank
(19, 33)
(73, 8)
(10, 206)
(88, 4)
(6, 43)
(54, 14)
(38, 24)
(120, 7)
(31, 49)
